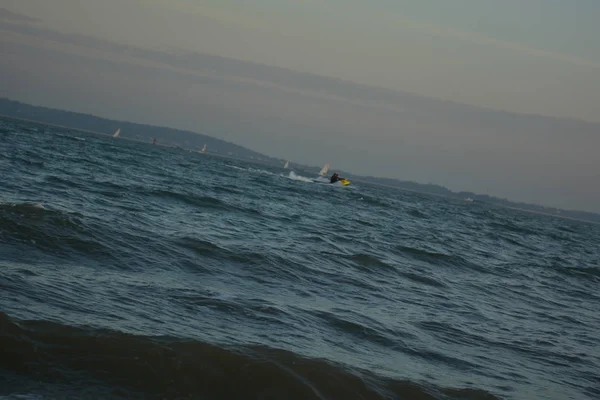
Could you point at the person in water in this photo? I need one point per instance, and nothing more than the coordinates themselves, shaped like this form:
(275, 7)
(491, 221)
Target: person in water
(335, 177)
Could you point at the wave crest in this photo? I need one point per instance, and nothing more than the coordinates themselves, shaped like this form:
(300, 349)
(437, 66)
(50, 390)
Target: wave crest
(164, 367)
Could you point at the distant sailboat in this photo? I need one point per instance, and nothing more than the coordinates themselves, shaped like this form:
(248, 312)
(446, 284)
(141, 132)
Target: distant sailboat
(117, 133)
(287, 164)
(203, 150)
(324, 170)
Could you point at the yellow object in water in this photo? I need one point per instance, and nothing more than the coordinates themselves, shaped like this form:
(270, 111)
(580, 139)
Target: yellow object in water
(345, 182)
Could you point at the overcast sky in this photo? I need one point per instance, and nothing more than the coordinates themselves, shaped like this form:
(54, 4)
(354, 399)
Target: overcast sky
(525, 56)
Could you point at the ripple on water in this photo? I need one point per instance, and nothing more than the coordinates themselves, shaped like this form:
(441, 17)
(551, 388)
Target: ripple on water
(193, 279)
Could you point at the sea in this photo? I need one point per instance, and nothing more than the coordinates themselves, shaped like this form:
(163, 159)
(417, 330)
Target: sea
(138, 271)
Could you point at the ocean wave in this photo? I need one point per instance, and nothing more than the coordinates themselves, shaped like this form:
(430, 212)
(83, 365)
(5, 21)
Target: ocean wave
(259, 264)
(201, 247)
(293, 176)
(423, 254)
(420, 278)
(375, 201)
(579, 272)
(77, 359)
(260, 171)
(437, 258)
(29, 208)
(418, 214)
(53, 231)
(514, 227)
(370, 263)
(63, 181)
(26, 160)
(369, 332)
(172, 243)
(190, 199)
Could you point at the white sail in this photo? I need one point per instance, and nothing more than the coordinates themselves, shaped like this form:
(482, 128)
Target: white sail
(287, 164)
(117, 133)
(203, 149)
(324, 170)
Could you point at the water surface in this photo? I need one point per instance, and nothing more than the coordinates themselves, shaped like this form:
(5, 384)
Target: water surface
(136, 271)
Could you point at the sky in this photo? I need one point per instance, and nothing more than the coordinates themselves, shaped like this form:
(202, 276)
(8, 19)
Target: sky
(533, 57)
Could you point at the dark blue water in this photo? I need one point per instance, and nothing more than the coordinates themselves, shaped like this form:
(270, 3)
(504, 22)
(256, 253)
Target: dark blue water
(136, 271)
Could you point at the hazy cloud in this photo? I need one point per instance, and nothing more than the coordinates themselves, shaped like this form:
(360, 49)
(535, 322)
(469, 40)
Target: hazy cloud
(462, 52)
(11, 16)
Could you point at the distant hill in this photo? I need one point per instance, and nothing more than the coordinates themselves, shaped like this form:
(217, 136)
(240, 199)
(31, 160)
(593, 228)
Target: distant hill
(129, 130)
(481, 198)
(195, 141)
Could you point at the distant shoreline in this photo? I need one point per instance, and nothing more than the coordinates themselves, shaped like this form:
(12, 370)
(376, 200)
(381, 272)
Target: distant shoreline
(260, 162)
(479, 201)
(130, 139)
(49, 124)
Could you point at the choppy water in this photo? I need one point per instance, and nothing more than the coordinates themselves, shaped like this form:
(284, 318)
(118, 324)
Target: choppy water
(135, 271)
